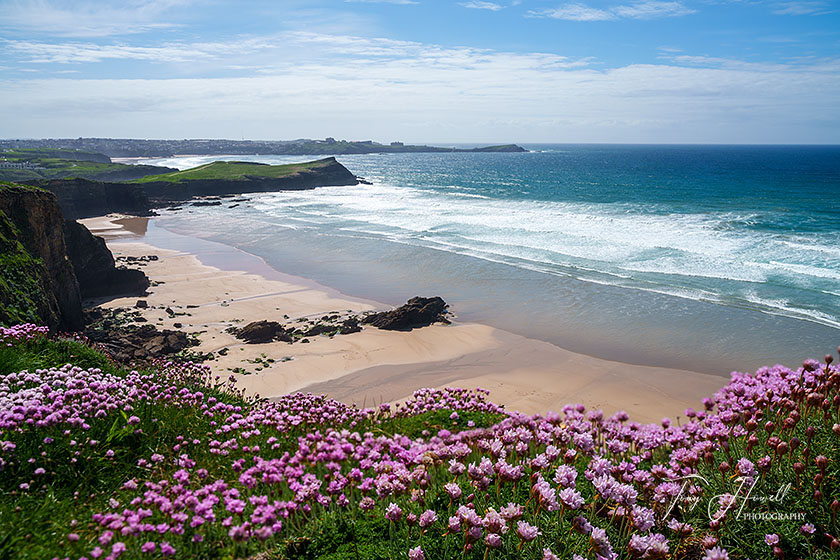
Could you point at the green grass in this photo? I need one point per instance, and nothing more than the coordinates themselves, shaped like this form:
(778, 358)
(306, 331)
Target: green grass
(232, 171)
(66, 164)
(43, 354)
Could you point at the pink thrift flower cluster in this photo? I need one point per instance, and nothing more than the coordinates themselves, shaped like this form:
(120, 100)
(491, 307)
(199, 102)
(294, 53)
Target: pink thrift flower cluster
(254, 472)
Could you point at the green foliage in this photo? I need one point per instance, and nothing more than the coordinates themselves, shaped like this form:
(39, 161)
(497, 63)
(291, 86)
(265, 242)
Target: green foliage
(45, 353)
(64, 164)
(429, 423)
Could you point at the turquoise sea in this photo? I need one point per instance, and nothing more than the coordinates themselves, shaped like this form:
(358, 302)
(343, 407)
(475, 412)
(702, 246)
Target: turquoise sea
(710, 258)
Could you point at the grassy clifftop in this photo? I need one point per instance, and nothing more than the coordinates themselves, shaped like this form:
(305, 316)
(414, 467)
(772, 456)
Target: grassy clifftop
(237, 171)
(47, 163)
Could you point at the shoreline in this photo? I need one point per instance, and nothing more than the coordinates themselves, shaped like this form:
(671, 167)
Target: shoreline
(373, 366)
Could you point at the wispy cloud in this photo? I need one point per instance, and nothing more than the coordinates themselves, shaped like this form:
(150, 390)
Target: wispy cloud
(88, 18)
(648, 9)
(77, 52)
(803, 8)
(476, 5)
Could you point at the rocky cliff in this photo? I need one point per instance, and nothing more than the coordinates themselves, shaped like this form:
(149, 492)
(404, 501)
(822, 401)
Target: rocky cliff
(95, 268)
(37, 282)
(81, 198)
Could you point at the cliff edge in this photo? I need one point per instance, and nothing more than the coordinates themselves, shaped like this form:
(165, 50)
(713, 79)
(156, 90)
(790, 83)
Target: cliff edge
(49, 265)
(37, 282)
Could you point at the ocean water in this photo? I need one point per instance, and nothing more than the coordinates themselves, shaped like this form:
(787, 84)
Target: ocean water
(710, 258)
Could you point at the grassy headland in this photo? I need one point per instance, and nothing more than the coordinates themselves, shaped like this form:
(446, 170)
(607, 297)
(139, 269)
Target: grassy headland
(235, 171)
(53, 163)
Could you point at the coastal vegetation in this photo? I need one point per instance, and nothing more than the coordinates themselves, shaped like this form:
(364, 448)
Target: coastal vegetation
(37, 164)
(99, 461)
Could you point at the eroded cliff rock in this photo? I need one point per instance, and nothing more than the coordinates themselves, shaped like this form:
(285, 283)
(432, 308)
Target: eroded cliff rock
(95, 268)
(37, 281)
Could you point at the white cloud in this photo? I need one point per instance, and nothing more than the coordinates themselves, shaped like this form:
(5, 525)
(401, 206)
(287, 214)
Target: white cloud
(648, 9)
(802, 8)
(324, 85)
(575, 12)
(476, 5)
(88, 18)
(652, 9)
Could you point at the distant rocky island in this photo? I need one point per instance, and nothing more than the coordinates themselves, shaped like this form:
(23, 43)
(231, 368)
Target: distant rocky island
(127, 147)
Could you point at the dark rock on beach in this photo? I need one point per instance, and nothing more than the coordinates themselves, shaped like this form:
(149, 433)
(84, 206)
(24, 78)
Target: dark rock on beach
(139, 344)
(417, 312)
(260, 332)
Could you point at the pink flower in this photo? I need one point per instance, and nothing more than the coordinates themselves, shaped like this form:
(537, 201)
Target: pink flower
(416, 553)
(772, 539)
(427, 518)
(526, 531)
(453, 490)
(393, 512)
(493, 540)
(716, 553)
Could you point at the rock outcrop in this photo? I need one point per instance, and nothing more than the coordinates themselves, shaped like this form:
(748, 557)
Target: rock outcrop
(417, 312)
(37, 281)
(82, 198)
(94, 266)
(139, 343)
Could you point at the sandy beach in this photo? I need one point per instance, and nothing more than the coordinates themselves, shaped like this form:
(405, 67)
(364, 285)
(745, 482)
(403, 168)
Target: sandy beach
(376, 366)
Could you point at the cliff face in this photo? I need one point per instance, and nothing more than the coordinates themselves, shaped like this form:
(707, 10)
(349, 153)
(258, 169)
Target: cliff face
(95, 268)
(81, 198)
(36, 278)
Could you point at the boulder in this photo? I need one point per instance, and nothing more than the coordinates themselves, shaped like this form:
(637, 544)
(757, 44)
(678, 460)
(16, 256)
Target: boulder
(417, 312)
(260, 332)
(138, 343)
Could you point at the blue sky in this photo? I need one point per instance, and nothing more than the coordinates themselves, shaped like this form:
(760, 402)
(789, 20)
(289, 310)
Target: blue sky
(717, 71)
